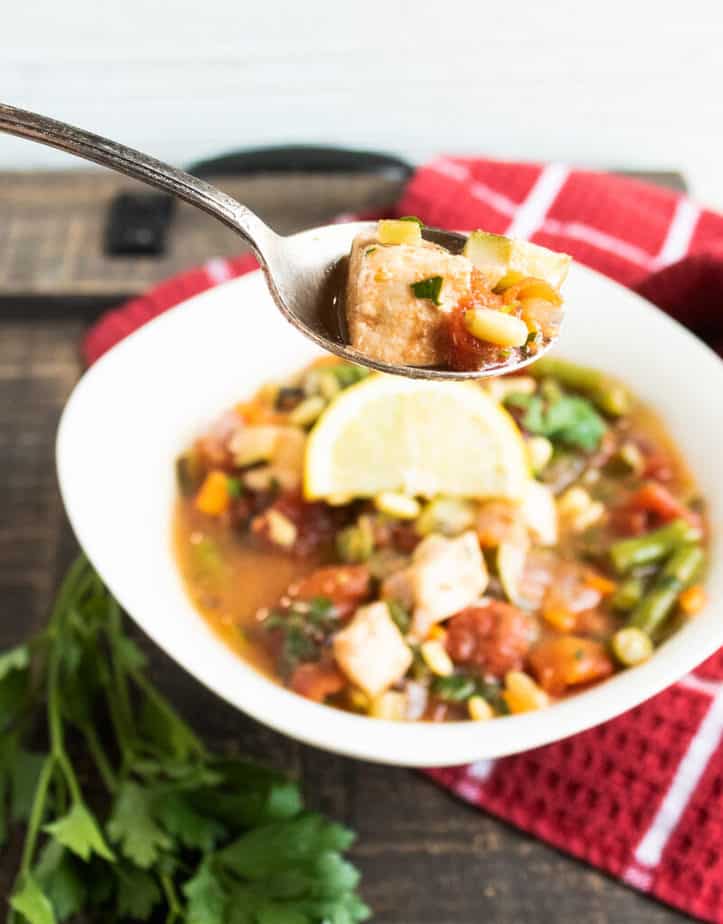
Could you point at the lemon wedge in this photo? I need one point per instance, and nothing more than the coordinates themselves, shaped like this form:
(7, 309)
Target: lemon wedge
(418, 438)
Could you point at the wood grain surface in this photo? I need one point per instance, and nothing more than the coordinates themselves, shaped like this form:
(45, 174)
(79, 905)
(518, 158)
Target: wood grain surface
(426, 858)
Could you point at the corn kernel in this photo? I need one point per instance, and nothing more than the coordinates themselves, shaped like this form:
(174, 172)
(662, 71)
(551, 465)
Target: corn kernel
(307, 412)
(479, 709)
(437, 633)
(539, 452)
(358, 699)
(281, 530)
(390, 705)
(500, 388)
(631, 646)
(495, 327)
(574, 501)
(397, 505)
(522, 694)
(436, 658)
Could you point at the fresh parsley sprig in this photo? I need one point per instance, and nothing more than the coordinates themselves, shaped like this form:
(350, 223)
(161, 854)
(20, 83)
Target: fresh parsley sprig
(180, 834)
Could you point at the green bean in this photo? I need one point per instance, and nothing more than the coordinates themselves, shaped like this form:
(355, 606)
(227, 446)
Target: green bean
(607, 393)
(628, 594)
(679, 571)
(652, 547)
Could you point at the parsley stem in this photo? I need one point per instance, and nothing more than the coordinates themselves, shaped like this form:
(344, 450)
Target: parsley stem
(99, 756)
(165, 707)
(174, 906)
(36, 814)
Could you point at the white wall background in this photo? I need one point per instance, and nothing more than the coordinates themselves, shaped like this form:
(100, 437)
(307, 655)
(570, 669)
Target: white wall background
(634, 83)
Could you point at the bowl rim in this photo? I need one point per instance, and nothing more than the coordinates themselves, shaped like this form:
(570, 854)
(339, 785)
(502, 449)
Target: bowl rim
(412, 744)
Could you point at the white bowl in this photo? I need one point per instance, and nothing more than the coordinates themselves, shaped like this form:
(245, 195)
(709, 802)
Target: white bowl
(143, 402)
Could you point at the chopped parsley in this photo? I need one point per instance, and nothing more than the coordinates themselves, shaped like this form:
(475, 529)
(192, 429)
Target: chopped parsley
(428, 288)
(369, 250)
(566, 419)
(234, 487)
(304, 627)
(400, 616)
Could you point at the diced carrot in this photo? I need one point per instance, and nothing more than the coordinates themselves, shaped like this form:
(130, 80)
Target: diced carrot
(559, 663)
(258, 413)
(599, 582)
(560, 618)
(213, 498)
(693, 600)
(654, 497)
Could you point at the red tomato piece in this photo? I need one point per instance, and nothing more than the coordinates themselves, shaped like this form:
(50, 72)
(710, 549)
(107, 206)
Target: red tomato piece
(493, 638)
(317, 680)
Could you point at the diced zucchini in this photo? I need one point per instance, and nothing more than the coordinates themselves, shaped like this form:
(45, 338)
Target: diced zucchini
(489, 253)
(504, 261)
(391, 231)
(449, 516)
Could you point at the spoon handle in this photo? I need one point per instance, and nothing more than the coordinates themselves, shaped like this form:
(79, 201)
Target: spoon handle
(141, 167)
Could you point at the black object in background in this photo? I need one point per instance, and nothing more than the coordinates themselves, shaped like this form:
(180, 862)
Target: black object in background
(138, 223)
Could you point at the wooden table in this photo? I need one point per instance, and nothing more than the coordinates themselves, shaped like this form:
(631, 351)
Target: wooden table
(426, 858)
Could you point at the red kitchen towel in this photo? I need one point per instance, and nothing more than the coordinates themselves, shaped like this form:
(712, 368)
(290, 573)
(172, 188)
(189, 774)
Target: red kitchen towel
(640, 797)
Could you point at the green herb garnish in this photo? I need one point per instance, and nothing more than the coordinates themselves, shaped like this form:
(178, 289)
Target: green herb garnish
(304, 627)
(454, 689)
(566, 419)
(179, 834)
(428, 288)
(369, 250)
(400, 616)
(234, 486)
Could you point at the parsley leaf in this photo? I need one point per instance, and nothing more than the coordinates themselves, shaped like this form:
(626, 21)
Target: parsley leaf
(566, 419)
(79, 832)
(428, 288)
(207, 899)
(182, 821)
(133, 827)
(32, 902)
(60, 878)
(137, 893)
(14, 660)
(201, 839)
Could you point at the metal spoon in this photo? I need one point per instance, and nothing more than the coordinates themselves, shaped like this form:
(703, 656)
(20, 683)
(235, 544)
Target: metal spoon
(299, 269)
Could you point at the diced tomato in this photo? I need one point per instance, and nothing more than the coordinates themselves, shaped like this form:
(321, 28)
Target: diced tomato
(658, 466)
(398, 535)
(494, 637)
(316, 523)
(567, 661)
(317, 680)
(465, 351)
(625, 521)
(347, 586)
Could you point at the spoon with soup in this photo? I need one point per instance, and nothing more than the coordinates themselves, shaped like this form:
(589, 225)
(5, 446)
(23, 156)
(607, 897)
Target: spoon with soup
(394, 295)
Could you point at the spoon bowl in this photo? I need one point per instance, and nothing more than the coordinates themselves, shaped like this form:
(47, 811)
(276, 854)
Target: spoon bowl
(304, 274)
